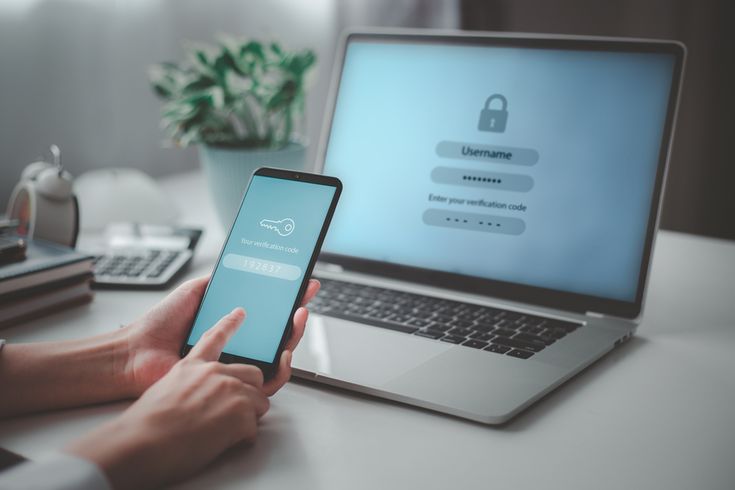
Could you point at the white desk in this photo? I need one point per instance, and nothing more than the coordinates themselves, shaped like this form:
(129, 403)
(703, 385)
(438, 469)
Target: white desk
(658, 413)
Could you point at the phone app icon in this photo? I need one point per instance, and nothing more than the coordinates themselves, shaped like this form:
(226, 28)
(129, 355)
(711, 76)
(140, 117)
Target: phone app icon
(283, 227)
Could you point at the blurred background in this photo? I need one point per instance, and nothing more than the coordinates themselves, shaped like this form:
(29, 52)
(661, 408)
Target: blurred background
(74, 73)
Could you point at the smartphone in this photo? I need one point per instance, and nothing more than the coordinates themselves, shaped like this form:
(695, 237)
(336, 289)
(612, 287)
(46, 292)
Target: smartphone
(266, 263)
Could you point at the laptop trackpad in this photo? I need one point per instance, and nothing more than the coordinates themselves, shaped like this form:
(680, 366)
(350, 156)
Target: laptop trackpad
(359, 354)
(476, 384)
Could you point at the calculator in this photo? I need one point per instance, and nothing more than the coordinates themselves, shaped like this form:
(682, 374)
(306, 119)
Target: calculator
(142, 256)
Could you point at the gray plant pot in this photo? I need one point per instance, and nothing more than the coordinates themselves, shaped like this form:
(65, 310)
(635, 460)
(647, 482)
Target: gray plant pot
(228, 171)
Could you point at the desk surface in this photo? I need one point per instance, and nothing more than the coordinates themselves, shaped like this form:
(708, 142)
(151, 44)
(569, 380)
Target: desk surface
(656, 413)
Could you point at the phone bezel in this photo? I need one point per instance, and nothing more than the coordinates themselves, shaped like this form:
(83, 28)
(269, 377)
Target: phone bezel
(269, 368)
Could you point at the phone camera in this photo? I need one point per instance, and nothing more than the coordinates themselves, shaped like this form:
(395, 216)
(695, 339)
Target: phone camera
(298, 176)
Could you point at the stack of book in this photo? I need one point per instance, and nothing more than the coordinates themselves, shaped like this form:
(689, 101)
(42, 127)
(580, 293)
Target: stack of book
(51, 277)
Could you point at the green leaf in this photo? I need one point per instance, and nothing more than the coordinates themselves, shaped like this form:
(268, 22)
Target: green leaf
(200, 62)
(165, 79)
(217, 97)
(254, 48)
(200, 83)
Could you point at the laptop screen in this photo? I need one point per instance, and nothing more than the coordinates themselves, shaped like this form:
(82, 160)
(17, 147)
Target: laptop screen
(531, 166)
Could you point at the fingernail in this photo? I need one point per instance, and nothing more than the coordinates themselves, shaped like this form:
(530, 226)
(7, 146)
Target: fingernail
(238, 311)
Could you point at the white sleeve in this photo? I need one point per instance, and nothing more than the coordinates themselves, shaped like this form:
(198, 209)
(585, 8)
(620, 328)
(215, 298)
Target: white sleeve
(56, 471)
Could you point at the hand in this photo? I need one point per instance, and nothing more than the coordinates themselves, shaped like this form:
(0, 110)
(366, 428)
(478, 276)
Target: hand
(154, 341)
(192, 414)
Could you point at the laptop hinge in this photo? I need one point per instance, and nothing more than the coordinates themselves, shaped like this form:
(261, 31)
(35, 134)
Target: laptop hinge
(594, 314)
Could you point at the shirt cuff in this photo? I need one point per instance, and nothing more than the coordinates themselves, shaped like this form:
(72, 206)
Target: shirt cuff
(55, 471)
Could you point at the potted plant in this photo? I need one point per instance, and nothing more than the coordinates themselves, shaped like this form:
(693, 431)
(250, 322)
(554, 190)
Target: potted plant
(241, 102)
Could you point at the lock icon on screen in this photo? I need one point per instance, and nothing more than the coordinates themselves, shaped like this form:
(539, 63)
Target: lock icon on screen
(494, 119)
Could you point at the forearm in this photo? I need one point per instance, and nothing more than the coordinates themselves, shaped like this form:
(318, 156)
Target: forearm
(48, 375)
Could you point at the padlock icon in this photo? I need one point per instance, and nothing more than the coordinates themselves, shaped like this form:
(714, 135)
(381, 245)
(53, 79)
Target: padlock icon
(494, 119)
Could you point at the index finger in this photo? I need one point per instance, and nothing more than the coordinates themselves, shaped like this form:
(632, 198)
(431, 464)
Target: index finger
(210, 345)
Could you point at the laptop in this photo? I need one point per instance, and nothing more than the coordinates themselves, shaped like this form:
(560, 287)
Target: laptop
(500, 205)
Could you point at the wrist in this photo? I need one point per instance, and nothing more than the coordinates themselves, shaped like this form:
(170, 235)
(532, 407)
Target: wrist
(104, 361)
(131, 372)
(122, 362)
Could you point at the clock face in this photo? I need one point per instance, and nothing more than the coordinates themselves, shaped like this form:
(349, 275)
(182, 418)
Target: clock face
(43, 218)
(21, 210)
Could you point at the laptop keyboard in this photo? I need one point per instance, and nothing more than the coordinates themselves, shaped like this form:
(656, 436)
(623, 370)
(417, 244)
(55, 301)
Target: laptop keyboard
(479, 327)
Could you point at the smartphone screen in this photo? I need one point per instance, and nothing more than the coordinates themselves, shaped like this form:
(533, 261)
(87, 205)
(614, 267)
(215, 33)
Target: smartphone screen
(267, 260)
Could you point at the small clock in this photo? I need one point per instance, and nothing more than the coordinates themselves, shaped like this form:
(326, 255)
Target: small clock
(44, 203)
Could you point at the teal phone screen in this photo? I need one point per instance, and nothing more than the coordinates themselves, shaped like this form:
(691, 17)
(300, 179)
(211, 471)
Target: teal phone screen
(263, 263)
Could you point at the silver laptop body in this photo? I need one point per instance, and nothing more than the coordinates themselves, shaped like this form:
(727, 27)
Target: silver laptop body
(518, 130)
